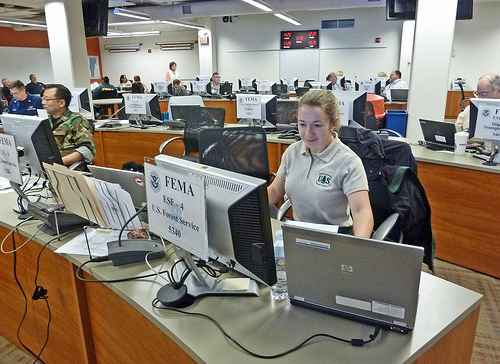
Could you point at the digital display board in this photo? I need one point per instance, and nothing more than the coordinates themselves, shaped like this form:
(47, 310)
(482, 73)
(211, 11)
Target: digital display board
(301, 39)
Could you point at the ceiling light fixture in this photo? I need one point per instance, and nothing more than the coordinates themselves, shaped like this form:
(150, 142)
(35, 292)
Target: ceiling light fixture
(131, 14)
(287, 18)
(259, 4)
(182, 24)
(31, 23)
(125, 47)
(133, 34)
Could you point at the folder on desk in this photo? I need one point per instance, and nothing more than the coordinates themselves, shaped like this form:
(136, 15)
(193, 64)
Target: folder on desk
(366, 280)
(100, 202)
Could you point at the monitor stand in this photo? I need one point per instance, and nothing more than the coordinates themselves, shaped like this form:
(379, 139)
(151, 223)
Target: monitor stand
(136, 122)
(197, 284)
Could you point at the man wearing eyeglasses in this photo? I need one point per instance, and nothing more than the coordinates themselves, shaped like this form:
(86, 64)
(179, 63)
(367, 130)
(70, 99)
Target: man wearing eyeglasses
(488, 87)
(73, 133)
(23, 103)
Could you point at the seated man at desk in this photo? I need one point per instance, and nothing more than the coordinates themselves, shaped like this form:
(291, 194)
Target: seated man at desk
(105, 90)
(488, 87)
(394, 82)
(177, 89)
(213, 88)
(23, 103)
(34, 87)
(73, 133)
(332, 77)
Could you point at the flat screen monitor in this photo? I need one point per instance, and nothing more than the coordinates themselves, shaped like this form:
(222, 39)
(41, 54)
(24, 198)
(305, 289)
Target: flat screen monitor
(204, 78)
(370, 86)
(326, 85)
(34, 138)
(383, 81)
(148, 113)
(246, 83)
(160, 87)
(238, 217)
(256, 110)
(352, 106)
(291, 82)
(485, 121)
(263, 86)
(226, 88)
(194, 100)
(81, 102)
(279, 89)
(199, 87)
(95, 17)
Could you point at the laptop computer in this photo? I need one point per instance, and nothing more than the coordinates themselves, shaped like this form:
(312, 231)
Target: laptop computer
(438, 135)
(399, 95)
(371, 281)
(130, 181)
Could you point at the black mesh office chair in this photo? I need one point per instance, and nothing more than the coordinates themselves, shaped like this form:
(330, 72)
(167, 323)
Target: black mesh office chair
(242, 150)
(196, 119)
(107, 109)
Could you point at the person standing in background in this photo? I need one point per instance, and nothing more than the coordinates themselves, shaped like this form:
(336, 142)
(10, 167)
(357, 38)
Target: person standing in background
(23, 103)
(34, 87)
(172, 73)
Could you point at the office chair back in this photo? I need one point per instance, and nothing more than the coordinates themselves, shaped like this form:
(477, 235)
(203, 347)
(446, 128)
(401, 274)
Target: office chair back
(242, 150)
(196, 119)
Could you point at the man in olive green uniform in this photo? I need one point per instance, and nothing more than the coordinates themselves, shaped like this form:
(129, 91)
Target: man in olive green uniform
(73, 133)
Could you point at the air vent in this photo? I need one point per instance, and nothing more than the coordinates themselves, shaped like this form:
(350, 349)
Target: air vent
(186, 9)
(337, 23)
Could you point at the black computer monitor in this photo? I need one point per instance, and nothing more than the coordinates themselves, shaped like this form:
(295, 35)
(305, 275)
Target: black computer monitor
(279, 89)
(370, 86)
(484, 124)
(291, 82)
(34, 139)
(238, 224)
(352, 106)
(152, 115)
(226, 88)
(80, 102)
(327, 85)
(247, 84)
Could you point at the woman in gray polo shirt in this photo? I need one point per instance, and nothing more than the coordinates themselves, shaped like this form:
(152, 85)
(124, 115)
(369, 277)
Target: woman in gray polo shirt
(324, 179)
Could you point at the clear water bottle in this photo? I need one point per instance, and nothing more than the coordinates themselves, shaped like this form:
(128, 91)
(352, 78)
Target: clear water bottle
(279, 290)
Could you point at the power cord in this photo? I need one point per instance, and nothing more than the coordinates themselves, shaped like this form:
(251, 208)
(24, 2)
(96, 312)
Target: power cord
(354, 342)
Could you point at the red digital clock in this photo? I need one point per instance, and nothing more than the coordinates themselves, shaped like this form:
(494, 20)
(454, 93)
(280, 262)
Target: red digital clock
(301, 39)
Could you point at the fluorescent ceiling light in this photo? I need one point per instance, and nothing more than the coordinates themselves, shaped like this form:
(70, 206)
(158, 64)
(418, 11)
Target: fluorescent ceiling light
(259, 4)
(182, 24)
(133, 34)
(31, 23)
(123, 46)
(131, 14)
(128, 23)
(287, 18)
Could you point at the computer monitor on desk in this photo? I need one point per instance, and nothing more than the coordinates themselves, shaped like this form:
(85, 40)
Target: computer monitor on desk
(81, 102)
(142, 110)
(485, 124)
(370, 86)
(256, 110)
(230, 224)
(352, 106)
(326, 85)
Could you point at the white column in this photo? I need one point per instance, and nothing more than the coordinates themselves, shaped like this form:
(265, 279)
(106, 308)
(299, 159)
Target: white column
(434, 32)
(68, 48)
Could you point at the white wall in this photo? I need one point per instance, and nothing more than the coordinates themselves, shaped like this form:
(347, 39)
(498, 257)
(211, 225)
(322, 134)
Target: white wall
(475, 48)
(151, 66)
(250, 47)
(17, 63)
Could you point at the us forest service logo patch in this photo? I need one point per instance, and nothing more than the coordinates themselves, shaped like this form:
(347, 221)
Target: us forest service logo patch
(324, 179)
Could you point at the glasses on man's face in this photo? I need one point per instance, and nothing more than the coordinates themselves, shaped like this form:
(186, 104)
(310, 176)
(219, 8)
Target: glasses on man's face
(45, 99)
(483, 94)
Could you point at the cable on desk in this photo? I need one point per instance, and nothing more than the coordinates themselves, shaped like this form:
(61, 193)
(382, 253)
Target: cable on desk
(353, 342)
(11, 232)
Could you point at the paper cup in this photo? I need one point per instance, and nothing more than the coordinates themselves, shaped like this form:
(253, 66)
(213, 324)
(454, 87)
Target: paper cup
(461, 142)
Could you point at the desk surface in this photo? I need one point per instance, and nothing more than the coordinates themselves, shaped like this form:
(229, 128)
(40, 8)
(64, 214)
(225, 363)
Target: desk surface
(267, 327)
